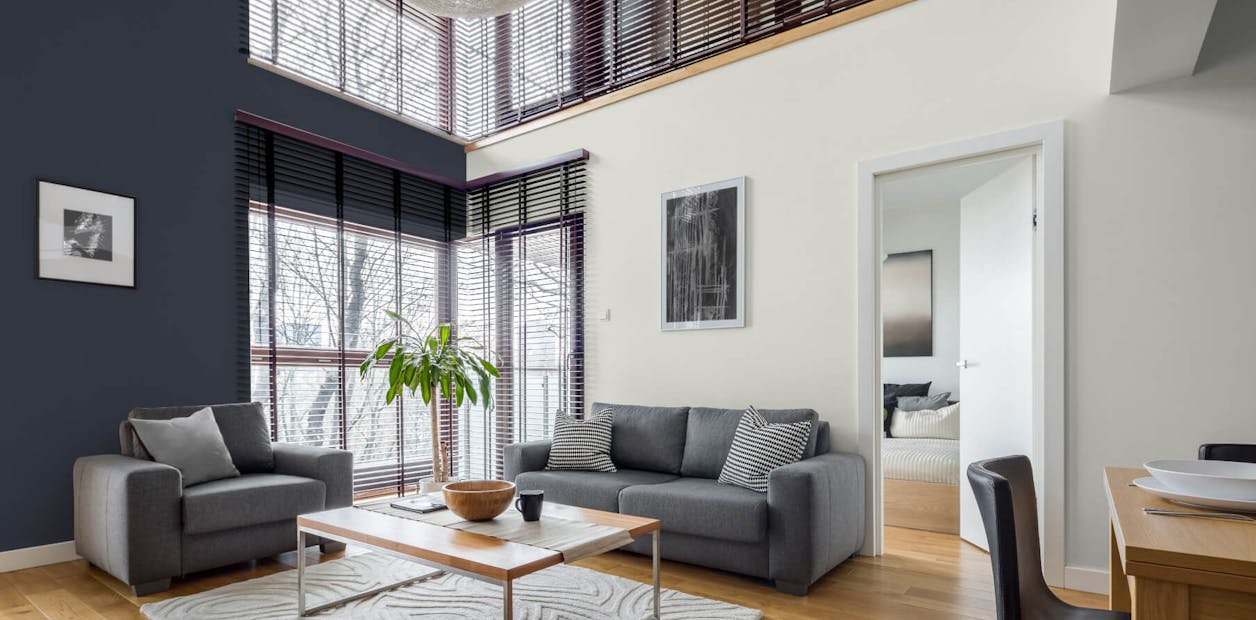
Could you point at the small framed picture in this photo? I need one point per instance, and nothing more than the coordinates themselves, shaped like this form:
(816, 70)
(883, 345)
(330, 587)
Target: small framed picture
(704, 256)
(85, 235)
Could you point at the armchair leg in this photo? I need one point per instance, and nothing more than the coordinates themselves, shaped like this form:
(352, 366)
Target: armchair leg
(797, 589)
(331, 546)
(151, 587)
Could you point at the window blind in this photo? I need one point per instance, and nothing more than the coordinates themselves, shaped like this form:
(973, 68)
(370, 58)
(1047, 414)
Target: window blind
(472, 78)
(329, 241)
(521, 287)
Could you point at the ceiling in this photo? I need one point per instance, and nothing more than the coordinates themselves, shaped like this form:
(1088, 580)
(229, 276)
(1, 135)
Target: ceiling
(940, 184)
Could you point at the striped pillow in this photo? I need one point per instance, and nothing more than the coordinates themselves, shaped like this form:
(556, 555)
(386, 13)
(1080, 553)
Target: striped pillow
(759, 447)
(927, 423)
(582, 445)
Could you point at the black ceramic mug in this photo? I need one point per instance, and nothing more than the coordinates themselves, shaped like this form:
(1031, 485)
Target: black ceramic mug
(529, 503)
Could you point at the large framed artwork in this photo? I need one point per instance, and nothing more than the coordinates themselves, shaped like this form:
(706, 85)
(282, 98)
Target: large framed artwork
(84, 235)
(704, 256)
(907, 304)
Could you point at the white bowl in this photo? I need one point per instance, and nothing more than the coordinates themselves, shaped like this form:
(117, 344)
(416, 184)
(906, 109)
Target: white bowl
(1220, 479)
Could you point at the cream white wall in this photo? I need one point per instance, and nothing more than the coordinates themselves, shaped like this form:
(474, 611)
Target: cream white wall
(929, 227)
(1160, 206)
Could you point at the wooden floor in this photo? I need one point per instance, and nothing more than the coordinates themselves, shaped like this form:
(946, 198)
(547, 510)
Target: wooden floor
(922, 575)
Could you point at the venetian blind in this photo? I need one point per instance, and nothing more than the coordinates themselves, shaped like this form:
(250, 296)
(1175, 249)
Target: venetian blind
(332, 242)
(520, 287)
(472, 78)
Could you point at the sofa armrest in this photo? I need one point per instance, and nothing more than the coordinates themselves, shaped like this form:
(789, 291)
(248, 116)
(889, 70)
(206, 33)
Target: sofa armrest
(128, 517)
(333, 467)
(815, 518)
(528, 456)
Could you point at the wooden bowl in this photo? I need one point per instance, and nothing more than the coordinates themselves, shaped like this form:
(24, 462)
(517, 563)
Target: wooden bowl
(479, 500)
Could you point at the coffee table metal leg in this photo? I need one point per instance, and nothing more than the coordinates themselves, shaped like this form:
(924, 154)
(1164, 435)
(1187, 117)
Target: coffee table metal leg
(656, 572)
(300, 572)
(508, 611)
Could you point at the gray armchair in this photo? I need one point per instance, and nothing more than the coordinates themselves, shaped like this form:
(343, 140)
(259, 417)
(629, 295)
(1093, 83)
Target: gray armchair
(134, 519)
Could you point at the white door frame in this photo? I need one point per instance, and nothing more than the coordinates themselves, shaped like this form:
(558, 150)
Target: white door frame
(1048, 346)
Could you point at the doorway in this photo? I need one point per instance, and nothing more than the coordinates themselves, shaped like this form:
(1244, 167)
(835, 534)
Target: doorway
(1009, 186)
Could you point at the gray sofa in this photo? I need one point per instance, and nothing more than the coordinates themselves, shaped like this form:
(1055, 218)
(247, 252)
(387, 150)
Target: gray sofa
(810, 520)
(134, 519)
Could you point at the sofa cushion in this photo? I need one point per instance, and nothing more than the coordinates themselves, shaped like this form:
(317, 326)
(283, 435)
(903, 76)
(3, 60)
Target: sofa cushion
(710, 435)
(701, 507)
(647, 438)
(251, 499)
(243, 426)
(587, 489)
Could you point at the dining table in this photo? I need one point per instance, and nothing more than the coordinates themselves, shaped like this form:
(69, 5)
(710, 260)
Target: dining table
(1175, 567)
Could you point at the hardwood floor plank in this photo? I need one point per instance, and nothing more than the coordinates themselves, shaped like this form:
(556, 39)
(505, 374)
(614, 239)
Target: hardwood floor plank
(923, 575)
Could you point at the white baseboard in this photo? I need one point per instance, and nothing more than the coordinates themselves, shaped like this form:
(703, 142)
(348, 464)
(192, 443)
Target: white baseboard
(1086, 579)
(30, 557)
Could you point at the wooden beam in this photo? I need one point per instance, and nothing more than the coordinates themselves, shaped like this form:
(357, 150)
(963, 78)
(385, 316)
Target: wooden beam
(739, 53)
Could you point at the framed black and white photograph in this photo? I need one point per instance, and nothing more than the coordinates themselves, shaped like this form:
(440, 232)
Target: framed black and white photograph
(704, 256)
(907, 304)
(85, 235)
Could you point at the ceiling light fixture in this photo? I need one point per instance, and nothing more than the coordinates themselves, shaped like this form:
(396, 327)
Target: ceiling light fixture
(468, 9)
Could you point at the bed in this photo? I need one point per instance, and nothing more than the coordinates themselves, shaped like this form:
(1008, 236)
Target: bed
(921, 478)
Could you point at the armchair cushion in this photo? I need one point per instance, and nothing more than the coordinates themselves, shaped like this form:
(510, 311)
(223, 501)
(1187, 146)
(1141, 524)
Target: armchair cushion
(701, 507)
(192, 444)
(252, 499)
(243, 426)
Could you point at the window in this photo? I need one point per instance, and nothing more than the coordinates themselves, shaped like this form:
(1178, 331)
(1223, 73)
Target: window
(330, 241)
(473, 78)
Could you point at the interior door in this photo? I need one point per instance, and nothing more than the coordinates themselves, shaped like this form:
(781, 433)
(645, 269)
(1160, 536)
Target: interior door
(996, 328)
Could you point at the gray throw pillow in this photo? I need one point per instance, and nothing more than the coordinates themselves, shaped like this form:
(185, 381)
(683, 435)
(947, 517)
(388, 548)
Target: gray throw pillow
(921, 403)
(191, 444)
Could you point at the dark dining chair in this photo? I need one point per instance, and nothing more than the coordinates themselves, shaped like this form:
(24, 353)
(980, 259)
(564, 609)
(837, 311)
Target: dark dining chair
(1009, 509)
(1245, 452)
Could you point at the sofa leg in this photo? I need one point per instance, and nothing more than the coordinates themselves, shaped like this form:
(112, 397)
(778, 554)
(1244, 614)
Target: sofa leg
(151, 587)
(797, 589)
(332, 546)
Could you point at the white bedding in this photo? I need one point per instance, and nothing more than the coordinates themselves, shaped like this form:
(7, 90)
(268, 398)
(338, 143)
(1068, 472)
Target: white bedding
(920, 460)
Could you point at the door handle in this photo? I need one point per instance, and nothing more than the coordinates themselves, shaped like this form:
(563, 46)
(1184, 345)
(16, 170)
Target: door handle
(961, 364)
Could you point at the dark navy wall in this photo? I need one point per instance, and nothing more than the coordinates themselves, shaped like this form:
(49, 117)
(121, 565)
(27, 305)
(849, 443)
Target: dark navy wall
(137, 98)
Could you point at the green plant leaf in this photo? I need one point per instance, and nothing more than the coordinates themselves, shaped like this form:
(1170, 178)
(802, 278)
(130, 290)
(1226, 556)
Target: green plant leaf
(426, 386)
(492, 370)
(383, 349)
(445, 330)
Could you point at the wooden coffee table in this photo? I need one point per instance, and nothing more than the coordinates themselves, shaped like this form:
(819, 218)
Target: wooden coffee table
(473, 555)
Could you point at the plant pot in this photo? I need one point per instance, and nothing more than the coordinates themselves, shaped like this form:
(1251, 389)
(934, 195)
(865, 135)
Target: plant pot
(430, 485)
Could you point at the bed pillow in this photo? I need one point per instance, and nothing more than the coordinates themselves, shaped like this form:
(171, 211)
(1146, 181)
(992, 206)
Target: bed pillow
(582, 445)
(890, 392)
(918, 403)
(927, 423)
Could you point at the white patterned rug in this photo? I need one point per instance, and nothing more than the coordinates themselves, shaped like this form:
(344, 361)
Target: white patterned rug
(557, 593)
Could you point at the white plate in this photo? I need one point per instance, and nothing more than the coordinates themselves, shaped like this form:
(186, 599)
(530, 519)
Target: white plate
(1227, 479)
(1155, 487)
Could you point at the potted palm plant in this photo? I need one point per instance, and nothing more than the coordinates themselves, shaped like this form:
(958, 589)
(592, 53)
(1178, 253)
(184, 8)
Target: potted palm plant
(438, 364)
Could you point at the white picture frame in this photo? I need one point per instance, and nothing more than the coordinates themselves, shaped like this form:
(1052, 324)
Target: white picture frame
(84, 235)
(703, 239)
